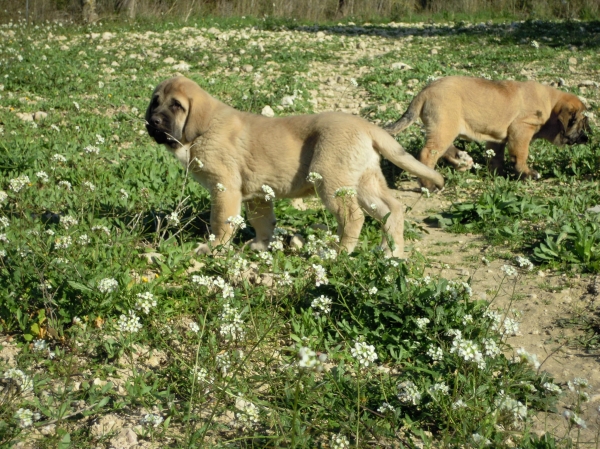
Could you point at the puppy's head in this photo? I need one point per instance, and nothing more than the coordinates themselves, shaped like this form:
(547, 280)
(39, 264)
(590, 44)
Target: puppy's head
(174, 117)
(574, 122)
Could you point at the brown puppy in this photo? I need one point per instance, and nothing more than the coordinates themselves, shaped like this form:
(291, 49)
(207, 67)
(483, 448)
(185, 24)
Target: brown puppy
(501, 113)
(235, 154)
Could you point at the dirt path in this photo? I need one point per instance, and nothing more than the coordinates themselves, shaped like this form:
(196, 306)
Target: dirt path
(541, 298)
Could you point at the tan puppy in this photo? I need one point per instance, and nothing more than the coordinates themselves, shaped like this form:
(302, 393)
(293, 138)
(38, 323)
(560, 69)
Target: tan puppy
(234, 154)
(501, 113)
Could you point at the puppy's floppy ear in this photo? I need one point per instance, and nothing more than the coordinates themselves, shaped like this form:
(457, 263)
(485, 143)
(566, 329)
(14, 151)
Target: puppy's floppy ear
(566, 116)
(199, 113)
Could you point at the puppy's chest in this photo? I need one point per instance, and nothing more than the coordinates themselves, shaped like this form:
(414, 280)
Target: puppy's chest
(182, 154)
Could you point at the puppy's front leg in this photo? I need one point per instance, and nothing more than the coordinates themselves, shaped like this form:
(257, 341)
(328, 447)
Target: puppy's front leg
(262, 219)
(519, 137)
(224, 207)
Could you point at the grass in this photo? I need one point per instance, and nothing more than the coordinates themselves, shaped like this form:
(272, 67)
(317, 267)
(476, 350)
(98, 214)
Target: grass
(107, 317)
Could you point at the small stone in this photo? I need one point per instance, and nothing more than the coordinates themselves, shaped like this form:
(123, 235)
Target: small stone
(541, 274)
(572, 69)
(26, 117)
(39, 115)
(288, 100)
(400, 66)
(151, 258)
(48, 430)
(153, 362)
(247, 68)
(433, 51)
(267, 111)
(320, 34)
(572, 61)
(361, 46)
(562, 83)
(297, 242)
(169, 60)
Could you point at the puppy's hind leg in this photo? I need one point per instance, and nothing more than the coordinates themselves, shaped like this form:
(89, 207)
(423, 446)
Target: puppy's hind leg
(341, 201)
(262, 219)
(380, 203)
(437, 144)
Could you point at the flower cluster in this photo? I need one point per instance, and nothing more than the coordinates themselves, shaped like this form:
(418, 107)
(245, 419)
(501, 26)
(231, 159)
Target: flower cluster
(524, 262)
(320, 275)
(468, 351)
(67, 221)
(339, 441)
(236, 221)
(63, 243)
(408, 392)
(313, 177)
(321, 304)
(322, 248)
(528, 358)
(18, 183)
(248, 414)
(129, 323)
(26, 417)
(145, 301)
(24, 381)
(152, 420)
(363, 353)
(108, 285)
(310, 360)
(512, 408)
(231, 323)
(269, 193)
(345, 192)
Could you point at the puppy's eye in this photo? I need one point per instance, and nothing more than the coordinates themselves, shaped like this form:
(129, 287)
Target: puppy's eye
(177, 105)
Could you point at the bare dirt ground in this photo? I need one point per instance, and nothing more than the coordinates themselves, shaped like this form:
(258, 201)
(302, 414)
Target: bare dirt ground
(541, 297)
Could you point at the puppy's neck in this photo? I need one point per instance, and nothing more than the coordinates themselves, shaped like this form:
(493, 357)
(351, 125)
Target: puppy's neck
(183, 154)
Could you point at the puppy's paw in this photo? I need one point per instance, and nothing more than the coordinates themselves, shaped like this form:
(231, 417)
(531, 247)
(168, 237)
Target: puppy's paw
(259, 245)
(203, 248)
(465, 162)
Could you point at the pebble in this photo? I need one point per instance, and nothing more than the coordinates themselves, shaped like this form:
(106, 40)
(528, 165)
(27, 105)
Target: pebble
(267, 111)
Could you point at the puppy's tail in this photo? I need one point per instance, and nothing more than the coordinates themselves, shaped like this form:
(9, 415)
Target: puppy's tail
(387, 146)
(408, 118)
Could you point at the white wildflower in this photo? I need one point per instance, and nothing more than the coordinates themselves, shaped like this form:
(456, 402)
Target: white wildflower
(58, 158)
(42, 176)
(422, 322)
(63, 242)
(236, 221)
(322, 304)
(269, 193)
(365, 354)
(194, 327)
(345, 192)
(436, 354)
(220, 187)
(67, 221)
(524, 356)
(65, 184)
(18, 183)
(152, 420)
(313, 177)
(339, 441)
(129, 323)
(408, 393)
(145, 301)
(108, 285)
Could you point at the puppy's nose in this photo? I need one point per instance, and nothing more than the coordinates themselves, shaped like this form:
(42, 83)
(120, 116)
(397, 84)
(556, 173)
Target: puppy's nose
(155, 121)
